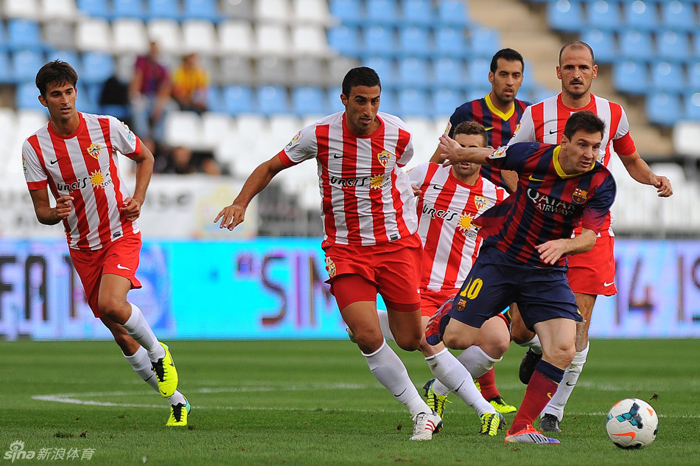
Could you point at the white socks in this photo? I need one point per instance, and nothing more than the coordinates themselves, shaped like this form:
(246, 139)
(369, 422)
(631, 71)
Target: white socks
(389, 370)
(566, 386)
(384, 324)
(477, 361)
(533, 344)
(453, 375)
(142, 366)
(140, 331)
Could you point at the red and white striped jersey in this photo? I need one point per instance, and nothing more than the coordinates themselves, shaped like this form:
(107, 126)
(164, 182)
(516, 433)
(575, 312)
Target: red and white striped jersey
(544, 122)
(366, 198)
(446, 210)
(84, 165)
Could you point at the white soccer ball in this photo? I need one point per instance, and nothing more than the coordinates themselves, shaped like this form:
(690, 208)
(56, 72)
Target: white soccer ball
(632, 423)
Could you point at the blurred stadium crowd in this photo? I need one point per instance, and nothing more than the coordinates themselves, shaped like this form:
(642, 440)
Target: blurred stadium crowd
(217, 86)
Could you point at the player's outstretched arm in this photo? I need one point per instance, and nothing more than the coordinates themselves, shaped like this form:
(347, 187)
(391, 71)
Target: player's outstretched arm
(234, 214)
(452, 151)
(46, 214)
(552, 251)
(639, 170)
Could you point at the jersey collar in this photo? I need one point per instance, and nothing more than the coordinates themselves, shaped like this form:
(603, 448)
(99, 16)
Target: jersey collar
(560, 171)
(497, 112)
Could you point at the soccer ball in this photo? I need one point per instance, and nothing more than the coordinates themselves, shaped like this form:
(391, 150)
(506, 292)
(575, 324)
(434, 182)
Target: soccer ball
(632, 423)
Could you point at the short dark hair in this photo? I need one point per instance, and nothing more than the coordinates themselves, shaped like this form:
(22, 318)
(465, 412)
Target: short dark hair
(508, 55)
(583, 121)
(360, 76)
(55, 72)
(472, 127)
(577, 44)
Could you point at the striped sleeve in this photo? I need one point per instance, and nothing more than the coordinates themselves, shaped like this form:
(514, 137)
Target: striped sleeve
(34, 173)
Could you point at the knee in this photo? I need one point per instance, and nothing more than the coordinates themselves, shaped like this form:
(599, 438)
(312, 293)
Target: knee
(368, 340)
(560, 355)
(113, 308)
(409, 342)
(454, 340)
(497, 347)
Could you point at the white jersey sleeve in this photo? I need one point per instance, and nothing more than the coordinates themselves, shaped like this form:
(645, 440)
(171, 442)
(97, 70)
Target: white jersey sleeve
(123, 139)
(303, 146)
(525, 131)
(34, 173)
(417, 174)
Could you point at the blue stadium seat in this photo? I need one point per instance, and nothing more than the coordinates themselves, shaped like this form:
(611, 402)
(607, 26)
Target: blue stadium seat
(238, 99)
(477, 92)
(334, 102)
(382, 12)
(23, 34)
(84, 101)
(641, 15)
(96, 8)
(415, 42)
(26, 97)
(309, 100)
(663, 108)
(478, 72)
(202, 9)
(668, 76)
(386, 70)
(349, 12)
(603, 15)
(68, 56)
(445, 101)
(168, 9)
(451, 42)
(418, 13)
(449, 73)
(672, 45)
(379, 41)
(453, 13)
(691, 105)
(695, 37)
(388, 102)
(414, 102)
(694, 75)
(485, 42)
(631, 77)
(345, 40)
(602, 43)
(215, 100)
(565, 15)
(679, 16)
(636, 45)
(272, 100)
(414, 72)
(129, 9)
(26, 63)
(6, 74)
(97, 67)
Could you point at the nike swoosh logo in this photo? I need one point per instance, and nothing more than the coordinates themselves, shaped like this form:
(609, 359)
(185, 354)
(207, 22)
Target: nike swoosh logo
(532, 178)
(570, 384)
(606, 284)
(553, 131)
(52, 162)
(549, 395)
(119, 266)
(337, 156)
(439, 188)
(631, 435)
(404, 391)
(488, 129)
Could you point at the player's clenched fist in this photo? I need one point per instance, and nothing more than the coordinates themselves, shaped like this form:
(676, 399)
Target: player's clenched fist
(64, 204)
(231, 216)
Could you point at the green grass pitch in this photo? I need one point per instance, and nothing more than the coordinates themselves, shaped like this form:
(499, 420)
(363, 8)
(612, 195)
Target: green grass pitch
(316, 403)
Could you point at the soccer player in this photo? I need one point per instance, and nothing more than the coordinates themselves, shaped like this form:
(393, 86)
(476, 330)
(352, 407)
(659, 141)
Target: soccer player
(559, 186)
(369, 218)
(499, 112)
(450, 198)
(76, 156)
(592, 273)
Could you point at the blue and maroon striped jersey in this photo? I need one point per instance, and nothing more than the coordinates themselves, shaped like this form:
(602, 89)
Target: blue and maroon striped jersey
(499, 126)
(548, 204)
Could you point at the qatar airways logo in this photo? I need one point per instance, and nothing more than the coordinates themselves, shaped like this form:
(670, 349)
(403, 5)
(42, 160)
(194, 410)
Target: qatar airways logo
(550, 204)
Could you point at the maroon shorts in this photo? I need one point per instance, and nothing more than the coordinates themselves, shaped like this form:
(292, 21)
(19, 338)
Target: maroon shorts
(393, 270)
(119, 258)
(593, 272)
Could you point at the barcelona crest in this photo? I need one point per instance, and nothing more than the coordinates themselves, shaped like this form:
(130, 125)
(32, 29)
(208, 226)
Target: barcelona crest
(384, 157)
(94, 150)
(579, 196)
(480, 202)
(460, 304)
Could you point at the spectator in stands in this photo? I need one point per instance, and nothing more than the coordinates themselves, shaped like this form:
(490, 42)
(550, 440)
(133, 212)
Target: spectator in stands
(182, 161)
(191, 84)
(150, 92)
